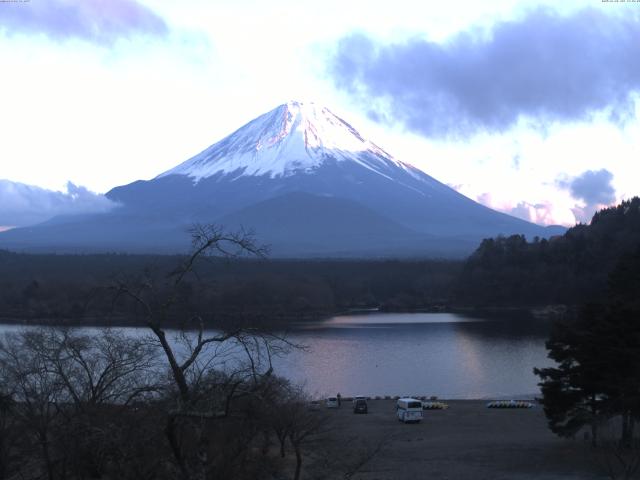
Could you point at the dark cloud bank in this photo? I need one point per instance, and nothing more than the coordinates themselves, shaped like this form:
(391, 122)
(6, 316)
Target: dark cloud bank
(593, 188)
(22, 205)
(543, 66)
(96, 21)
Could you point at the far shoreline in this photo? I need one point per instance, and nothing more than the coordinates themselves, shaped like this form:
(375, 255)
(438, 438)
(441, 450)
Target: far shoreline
(535, 313)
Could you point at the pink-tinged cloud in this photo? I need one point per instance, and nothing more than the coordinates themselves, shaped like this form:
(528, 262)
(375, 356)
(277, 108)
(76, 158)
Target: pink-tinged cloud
(96, 21)
(540, 213)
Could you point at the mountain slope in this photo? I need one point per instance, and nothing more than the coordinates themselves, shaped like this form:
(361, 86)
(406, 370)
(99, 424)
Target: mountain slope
(304, 147)
(117, 231)
(298, 148)
(300, 223)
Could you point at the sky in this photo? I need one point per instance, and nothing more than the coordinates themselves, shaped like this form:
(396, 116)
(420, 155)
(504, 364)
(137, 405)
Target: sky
(529, 107)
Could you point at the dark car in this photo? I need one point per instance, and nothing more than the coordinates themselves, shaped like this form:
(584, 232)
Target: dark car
(360, 406)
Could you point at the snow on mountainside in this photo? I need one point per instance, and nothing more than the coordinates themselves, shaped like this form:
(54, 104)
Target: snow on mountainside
(304, 147)
(305, 181)
(296, 137)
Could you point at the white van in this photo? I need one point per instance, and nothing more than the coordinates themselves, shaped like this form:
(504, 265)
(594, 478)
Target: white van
(409, 410)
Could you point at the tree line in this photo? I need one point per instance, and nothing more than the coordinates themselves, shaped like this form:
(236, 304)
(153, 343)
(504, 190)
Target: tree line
(502, 272)
(567, 269)
(75, 289)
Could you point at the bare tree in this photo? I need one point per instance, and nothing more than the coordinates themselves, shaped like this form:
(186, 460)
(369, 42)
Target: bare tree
(106, 368)
(303, 425)
(101, 375)
(66, 384)
(37, 392)
(208, 369)
(7, 432)
(96, 404)
(277, 411)
(618, 458)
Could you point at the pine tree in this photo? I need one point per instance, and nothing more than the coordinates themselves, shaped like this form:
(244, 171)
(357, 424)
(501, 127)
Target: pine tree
(597, 376)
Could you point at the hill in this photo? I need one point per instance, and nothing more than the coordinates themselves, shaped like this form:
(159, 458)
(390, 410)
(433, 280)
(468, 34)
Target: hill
(567, 269)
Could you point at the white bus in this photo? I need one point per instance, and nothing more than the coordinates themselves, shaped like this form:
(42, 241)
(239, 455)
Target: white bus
(409, 410)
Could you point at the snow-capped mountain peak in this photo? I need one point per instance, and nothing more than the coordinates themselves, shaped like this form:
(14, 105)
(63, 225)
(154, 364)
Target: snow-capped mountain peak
(296, 137)
(305, 180)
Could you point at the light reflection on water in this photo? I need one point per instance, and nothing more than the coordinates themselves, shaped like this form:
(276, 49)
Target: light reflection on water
(443, 354)
(448, 355)
(390, 320)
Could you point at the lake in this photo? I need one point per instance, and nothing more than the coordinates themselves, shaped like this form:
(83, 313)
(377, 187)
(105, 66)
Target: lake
(443, 354)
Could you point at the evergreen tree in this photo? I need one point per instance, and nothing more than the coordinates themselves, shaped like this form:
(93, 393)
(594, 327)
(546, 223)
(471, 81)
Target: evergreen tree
(573, 392)
(597, 376)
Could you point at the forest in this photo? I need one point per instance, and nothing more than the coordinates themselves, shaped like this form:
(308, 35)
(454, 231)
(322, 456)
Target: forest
(504, 272)
(80, 288)
(568, 269)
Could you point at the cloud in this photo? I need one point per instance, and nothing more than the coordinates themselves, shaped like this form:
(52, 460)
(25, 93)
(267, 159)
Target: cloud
(543, 213)
(540, 213)
(96, 21)
(22, 205)
(593, 188)
(543, 67)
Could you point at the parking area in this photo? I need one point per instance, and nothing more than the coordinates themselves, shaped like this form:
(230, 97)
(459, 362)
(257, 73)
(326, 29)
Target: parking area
(465, 441)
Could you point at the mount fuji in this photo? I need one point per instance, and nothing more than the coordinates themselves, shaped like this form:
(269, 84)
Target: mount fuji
(305, 181)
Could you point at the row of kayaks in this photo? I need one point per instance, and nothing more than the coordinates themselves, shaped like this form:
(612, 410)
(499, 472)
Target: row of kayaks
(510, 404)
(494, 404)
(434, 406)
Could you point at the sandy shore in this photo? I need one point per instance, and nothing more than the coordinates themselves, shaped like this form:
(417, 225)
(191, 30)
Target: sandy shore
(466, 441)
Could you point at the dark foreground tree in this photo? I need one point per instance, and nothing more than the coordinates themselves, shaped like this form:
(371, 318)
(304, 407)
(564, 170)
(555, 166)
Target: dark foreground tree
(164, 403)
(212, 373)
(7, 433)
(68, 393)
(597, 377)
(574, 392)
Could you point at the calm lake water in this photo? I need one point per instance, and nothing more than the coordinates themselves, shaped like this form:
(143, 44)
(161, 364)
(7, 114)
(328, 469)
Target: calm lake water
(443, 354)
